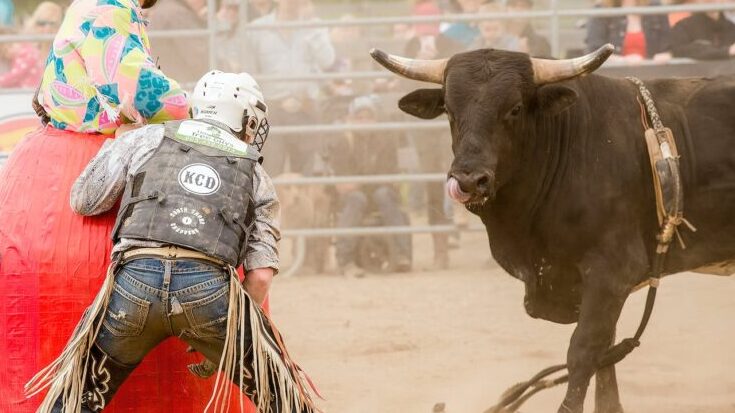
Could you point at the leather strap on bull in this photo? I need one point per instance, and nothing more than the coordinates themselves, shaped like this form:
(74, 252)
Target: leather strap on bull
(669, 192)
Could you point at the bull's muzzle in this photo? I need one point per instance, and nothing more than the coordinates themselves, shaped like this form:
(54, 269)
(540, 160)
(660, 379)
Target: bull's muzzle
(465, 187)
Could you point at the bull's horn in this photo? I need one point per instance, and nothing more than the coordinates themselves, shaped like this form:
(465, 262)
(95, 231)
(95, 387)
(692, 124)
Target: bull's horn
(550, 71)
(416, 69)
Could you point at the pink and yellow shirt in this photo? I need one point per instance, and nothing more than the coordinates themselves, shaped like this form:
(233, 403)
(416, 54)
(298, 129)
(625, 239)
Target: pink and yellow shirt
(100, 73)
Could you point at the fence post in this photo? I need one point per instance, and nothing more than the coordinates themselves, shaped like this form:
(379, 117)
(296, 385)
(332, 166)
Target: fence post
(212, 27)
(555, 46)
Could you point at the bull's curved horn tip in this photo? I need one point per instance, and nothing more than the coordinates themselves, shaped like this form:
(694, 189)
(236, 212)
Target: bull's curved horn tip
(377, 53)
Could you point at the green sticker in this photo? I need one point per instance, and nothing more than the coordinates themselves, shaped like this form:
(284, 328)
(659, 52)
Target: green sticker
(211, 136)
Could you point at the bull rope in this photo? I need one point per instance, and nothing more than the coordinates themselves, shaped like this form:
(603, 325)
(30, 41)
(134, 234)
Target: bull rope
(669, 208)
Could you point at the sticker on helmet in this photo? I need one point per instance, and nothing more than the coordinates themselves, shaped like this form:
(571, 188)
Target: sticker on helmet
(186, 221)
(199, 179)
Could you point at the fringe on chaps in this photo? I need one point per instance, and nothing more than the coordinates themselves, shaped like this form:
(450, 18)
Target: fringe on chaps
(274, 373)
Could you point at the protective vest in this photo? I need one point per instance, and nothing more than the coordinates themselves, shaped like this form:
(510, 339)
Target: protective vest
(195, 191)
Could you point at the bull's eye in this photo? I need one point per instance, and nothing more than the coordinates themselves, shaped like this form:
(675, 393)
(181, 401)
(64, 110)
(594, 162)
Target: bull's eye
(516, 110)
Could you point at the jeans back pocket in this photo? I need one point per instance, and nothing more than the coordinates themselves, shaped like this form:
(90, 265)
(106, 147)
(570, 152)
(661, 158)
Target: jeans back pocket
(126, 314)
(207, 316)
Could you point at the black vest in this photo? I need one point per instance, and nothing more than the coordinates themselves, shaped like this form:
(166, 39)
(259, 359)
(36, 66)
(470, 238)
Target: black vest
(196, 191)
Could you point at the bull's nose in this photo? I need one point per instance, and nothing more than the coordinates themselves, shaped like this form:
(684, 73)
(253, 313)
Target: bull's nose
(478, 183)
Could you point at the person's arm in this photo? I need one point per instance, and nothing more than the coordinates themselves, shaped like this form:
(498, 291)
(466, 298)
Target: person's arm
(261, 258)
(116, 53)
(103, 180)
(685, 44)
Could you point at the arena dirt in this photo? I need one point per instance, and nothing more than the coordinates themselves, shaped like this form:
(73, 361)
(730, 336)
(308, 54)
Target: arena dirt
(401, 343)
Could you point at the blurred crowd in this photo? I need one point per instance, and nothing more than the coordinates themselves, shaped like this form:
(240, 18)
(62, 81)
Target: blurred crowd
(287, 60)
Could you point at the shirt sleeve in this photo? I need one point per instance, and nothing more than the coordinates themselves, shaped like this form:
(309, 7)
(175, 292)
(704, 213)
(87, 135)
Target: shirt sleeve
(262, 250)
(119, 65)
(103, 180)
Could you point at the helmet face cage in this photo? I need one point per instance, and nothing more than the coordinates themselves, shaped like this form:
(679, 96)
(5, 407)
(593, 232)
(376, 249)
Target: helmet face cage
(261, 134)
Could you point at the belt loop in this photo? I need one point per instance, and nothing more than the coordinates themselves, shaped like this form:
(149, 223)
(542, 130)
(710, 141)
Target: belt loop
(167, 274)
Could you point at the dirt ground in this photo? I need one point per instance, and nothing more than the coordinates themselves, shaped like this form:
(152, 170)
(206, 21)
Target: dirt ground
(401, 343)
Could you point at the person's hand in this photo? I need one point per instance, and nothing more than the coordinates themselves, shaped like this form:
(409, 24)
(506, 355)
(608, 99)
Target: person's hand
(257, 283)
(126, 127)
(732, 50)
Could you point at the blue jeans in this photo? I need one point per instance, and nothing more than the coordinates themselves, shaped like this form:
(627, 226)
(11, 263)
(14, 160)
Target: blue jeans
(152, 300)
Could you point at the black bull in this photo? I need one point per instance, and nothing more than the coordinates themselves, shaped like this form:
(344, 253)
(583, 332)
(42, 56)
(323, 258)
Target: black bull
(556, 166)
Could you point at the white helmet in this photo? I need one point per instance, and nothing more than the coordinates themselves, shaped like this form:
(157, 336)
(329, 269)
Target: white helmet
(234, 99)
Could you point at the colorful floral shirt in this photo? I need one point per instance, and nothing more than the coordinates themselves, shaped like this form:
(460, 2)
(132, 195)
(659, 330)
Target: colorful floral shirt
(100, 73)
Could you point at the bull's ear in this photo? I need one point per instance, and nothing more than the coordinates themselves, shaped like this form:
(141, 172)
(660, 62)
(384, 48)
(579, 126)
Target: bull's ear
(423, 103)
(554, 99)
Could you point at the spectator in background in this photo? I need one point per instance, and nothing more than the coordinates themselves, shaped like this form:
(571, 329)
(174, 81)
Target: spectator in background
(25, 60)
(24, 64)
(426, 41)
(494, 33)
(290, 52)
(464, 33)
(183, 58)
(46, 19)
(635, 37)
(704, 36)
(366, 153)
(521, 27)
(7, 11)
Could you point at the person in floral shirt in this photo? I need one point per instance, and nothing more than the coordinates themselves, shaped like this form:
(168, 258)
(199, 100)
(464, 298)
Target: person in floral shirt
(100, 72)
(99, 78)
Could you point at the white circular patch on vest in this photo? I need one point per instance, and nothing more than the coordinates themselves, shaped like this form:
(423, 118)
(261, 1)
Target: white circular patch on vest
(199, 179)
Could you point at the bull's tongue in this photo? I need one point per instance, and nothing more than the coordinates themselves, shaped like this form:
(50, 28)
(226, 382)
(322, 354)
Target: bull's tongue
(455, 192)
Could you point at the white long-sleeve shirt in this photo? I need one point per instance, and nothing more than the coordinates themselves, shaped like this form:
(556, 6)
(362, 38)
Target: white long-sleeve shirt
(103, 181)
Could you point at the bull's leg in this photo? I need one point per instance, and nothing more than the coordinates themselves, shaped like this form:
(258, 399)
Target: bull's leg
(606, 278)
(607, 398)
(599, 313)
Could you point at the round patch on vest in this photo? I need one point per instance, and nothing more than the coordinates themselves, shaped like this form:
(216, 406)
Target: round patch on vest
(199, 179)
(186, 221)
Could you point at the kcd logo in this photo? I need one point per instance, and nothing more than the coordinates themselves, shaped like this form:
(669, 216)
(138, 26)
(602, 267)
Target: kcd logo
(199, 179)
